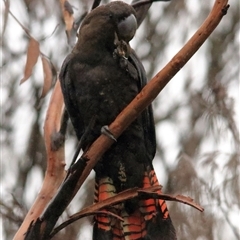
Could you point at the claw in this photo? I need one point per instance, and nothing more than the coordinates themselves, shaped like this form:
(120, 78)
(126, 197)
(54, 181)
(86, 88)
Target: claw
(105, 130)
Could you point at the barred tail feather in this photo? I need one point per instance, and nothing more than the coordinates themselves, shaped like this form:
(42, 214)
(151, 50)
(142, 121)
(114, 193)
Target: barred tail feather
(158, 222)
(134, 225)
(150, 221)
(151, 206)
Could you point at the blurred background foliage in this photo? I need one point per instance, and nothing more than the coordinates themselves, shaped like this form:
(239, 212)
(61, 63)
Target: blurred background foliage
(197, 115)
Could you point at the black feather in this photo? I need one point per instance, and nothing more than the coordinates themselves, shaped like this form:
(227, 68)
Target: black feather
(99, 79)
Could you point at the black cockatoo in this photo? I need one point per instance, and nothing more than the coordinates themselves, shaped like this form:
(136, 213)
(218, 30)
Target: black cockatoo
(99, 79)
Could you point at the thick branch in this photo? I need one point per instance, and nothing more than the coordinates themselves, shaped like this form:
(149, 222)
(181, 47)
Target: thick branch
(131, 112)
(55, 158)
(153, 88)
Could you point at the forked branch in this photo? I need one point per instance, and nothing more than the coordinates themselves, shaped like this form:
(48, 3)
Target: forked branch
(44, 225)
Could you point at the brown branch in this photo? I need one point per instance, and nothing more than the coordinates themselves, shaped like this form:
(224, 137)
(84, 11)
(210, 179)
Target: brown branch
(80, 215)
(55, 158)
(151, 90)
(179, 198)
(118, 198)
(130, 113)
(123, 196)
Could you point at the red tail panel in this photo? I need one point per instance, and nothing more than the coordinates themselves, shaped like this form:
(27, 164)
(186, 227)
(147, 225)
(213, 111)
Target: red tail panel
(134, 225)
(149, 221)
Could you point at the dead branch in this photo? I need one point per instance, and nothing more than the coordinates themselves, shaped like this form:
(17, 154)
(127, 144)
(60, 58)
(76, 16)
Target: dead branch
(129, 114)
(145, 193)
(151, 90)
(55, 158)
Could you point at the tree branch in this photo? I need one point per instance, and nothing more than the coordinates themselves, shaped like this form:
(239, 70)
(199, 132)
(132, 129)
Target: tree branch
(152, 89)
(128, 115)
(144, 193)
(55, 158)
